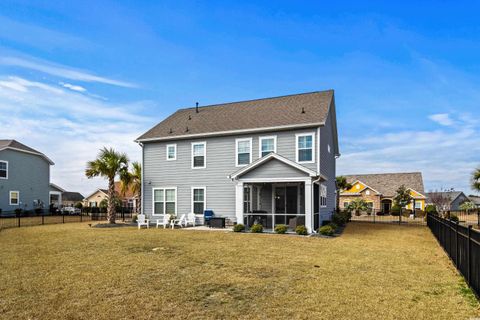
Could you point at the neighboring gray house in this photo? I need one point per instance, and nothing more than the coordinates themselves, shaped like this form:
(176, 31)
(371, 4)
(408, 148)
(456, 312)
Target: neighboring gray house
(475, 200)
(24, 177)
(268, 160)
(453, 198)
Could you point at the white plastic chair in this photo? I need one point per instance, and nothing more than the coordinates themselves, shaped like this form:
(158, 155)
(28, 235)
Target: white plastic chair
(190, 219)
(164, 221)
(141, 221)
(178, 222)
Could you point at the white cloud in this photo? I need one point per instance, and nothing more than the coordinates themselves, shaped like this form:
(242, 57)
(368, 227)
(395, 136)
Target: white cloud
(442, 119)
(68, 126)
(61, 71)
(73, 87)
(445, 157)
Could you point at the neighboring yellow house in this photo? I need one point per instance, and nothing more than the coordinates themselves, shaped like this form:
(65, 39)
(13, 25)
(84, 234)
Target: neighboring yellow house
(378, 190)
(94, 199)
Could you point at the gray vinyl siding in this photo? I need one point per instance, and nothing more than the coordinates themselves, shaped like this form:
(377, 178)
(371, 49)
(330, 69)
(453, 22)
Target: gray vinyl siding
(220, 162)
(30, 175)
(327, 163)
(274, 169)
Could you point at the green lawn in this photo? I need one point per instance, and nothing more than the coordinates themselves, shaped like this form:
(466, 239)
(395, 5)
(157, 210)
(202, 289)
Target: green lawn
(72, 271)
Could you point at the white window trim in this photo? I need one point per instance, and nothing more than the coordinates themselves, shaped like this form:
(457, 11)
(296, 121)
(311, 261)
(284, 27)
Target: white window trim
(236, 151)
(175, 154)
(323, 188)
(6, 162)
(18, 198)
(204, 198)
(306, 134)
(164, 200)
(204, 143)
(265, 138)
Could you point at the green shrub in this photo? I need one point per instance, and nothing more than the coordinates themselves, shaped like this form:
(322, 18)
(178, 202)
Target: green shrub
(454, 218)
(256, 228)
(407, 212)
(238, 227)
(78, 205)
(134, 218)
(18, 211)
(334, 226)
(339, 219)
(419, 213)
(432, 209)
(301, 230)
(395, 211)
(326, 231)
(281, 228)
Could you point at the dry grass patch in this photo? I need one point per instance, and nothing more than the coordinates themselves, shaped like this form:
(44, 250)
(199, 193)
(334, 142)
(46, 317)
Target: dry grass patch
(72, 271)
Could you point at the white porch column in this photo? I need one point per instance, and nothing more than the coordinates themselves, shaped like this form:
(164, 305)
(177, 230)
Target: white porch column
(308, 206)
(239, 202)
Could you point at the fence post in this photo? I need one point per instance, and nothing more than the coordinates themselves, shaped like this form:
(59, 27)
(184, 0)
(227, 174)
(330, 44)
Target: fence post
(400, 216)
(469, 248)
(42, 219)
(63, 218)
(478, 218)
(456, 244)
(19, 221)
(81, 219)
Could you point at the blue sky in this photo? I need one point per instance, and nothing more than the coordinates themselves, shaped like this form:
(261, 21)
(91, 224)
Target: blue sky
(77, 76)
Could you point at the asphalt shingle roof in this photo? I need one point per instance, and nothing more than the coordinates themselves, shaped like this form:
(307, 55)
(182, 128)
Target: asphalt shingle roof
(388, 183)
(9, 143)
(298, 109)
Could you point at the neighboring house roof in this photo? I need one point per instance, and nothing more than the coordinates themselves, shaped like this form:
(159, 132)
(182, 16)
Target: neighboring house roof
(452, 195)
(298, 110)
(104, 191)
(17, 146)
(57, 188)
(128, 193)
(388, 183)
(474, 199)
(72, 196)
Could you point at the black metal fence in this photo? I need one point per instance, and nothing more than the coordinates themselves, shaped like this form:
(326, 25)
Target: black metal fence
(25, 220)
(462, 244)
(407, 218)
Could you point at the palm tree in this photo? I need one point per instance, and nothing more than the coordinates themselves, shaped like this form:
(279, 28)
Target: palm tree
(133, 181)
(476, 180)
(108, 164)
(341, 184)
(358, 205)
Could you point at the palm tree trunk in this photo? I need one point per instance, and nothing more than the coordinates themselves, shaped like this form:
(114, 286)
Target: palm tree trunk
(111, 201)
(139, 207)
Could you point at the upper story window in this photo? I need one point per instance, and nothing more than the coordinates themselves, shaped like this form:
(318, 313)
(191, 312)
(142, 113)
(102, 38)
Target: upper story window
(243, 151)
(3, 169)
(267, 145)
(14, 198)
(305, 147)
(199, 155)
(171, 152)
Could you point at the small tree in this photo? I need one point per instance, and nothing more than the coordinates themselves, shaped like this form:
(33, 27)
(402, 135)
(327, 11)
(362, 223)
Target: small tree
(341, 185)
(402, 198)
(441, 200)
(467, 205)
(358, 205)
(476, 180)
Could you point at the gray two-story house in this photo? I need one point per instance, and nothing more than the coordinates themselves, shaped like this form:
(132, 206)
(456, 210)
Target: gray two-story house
(24, 177)
(269, 161)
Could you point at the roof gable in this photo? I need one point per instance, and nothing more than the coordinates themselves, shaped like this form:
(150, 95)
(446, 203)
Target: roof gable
(307, 109)
(17, 146)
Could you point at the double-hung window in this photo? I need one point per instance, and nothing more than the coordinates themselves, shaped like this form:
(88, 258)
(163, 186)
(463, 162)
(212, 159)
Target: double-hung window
(14, 198)
(3, 169)
(323, 195)
(165, 201)
(243, 151)
(171, 152)
(267, 145)
(305, 143)
(198, 200)
(199, 155)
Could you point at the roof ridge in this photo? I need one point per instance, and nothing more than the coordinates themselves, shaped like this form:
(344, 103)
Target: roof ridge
(257, 99)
